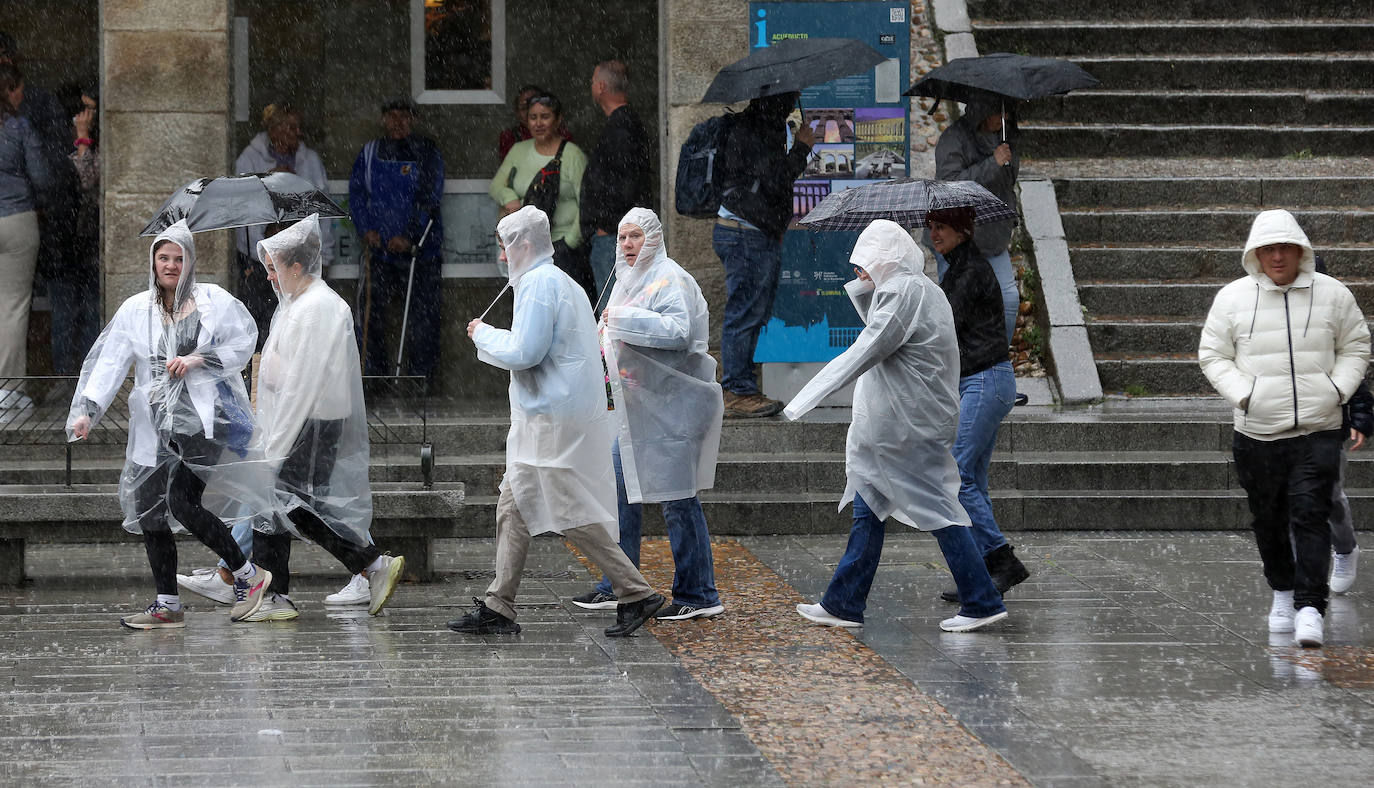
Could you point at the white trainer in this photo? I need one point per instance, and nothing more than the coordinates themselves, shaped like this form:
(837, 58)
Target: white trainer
(1281, 612)
(969, 623)
(274, 608)
(819, 615)
(208, 583)
(1307, 628)
(357, 592)
(1343, 566)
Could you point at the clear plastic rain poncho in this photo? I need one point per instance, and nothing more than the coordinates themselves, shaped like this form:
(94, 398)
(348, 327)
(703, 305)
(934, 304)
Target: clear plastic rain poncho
(312, 423)
(558, 451)
(202, 419)
(668, 403)
(906, 401)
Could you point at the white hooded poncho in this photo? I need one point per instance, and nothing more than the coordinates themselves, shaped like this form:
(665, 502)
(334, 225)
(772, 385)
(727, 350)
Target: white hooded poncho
(311, 414)
(558, 451)
(906, 400)
(668, 403)
(210, 400)
(257, 157)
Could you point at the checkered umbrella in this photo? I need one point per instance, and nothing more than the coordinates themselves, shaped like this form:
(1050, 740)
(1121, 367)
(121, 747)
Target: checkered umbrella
(905, 201)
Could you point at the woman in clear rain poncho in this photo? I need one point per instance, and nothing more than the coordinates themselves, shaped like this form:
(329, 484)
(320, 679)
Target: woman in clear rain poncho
(668, 411)
(906, 411)
(558, 452)
(312, 426)
(188, 462)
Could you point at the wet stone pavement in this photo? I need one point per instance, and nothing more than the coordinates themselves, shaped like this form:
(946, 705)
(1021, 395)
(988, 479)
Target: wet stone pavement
(1131, 659)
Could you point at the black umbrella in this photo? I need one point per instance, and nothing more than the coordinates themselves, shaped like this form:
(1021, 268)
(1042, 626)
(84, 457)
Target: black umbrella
(1002, 75)
(905, 201)
(242, 200)
(789, 66)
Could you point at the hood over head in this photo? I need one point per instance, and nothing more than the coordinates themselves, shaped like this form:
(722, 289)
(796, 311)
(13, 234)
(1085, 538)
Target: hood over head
(1276, 227)
(653, 249)
(885, 250)
(525, 234)
(179, 234)
(299, 243)
(975, 112)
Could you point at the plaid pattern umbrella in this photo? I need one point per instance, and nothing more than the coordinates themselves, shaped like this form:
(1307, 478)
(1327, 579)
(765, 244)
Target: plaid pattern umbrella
(905, 201)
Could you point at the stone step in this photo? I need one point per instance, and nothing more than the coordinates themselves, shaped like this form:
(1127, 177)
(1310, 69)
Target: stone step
(1332, 71)
(1006, 10)
(1192, 298)
(1163, 36)
(1298, 108)
(1193, 262)
(1152, 374)
(1151, 335)
(1238, 191)
(1331, 226)
(1121, 140)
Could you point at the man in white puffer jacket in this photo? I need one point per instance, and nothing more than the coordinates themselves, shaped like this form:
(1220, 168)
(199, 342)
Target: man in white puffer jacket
(1287, 346)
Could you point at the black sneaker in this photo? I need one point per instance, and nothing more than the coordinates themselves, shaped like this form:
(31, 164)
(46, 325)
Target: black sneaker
(676, 612)
(595, 600)
(484, 621)
(632, 615)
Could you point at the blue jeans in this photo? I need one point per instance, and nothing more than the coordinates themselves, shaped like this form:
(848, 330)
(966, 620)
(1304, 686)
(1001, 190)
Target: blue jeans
(847, 595)
(1006, 279)
(985, 398)
(694, 574)
(603, 267)
(752, 263)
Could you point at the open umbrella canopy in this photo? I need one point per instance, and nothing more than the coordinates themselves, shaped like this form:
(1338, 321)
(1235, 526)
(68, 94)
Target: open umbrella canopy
(905, 201)
(1002, 75)
(242, 200)
(789, 66)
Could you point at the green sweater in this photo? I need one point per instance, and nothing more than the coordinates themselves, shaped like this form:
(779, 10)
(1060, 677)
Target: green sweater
(519, 168)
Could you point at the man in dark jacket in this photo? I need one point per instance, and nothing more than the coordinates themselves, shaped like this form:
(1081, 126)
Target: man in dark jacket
(618, 173)
(394, 193)
(759, 160)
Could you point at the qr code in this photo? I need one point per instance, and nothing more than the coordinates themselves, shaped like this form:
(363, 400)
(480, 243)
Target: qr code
(896, 15)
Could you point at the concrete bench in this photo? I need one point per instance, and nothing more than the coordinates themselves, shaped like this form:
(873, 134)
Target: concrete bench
(406, 519)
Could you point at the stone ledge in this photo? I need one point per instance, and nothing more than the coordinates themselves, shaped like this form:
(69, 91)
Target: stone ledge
(166, 15)
(951, 16)
(959, 45)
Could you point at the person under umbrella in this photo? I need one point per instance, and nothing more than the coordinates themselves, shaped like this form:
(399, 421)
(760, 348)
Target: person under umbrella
(188, 461)
(905, 367)
(668, 408)
(312, 426)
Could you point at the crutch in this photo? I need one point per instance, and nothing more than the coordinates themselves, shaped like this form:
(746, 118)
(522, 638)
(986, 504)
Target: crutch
(405, 314)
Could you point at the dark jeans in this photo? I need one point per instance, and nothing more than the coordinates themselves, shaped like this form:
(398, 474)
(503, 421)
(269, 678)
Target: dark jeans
(1288, 483)
(173, 488)
(308, 466)
(387, 288)
(601, 255)
(847, 595)
(752, 263)
(74, 294)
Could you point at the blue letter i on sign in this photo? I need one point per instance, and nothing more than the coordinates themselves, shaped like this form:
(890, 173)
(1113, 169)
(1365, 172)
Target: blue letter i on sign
(762, 26)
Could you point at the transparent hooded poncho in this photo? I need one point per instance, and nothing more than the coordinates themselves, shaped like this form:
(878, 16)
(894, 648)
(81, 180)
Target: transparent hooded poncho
(906, 399)
(202, 420)
(312, 422)
(668, 403)
(558, 451)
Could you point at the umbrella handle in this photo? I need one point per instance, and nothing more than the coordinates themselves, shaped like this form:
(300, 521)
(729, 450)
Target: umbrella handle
(494, 300)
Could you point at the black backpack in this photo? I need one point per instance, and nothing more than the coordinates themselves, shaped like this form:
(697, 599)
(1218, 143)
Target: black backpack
(697, 191)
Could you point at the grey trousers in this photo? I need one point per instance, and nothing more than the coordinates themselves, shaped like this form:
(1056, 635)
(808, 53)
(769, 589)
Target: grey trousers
(18, 257)
(1342, 524)
(513, 546)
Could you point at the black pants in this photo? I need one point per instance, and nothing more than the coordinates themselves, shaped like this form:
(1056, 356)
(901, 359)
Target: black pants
(173, 488)
(1288, 483)
(307, 467)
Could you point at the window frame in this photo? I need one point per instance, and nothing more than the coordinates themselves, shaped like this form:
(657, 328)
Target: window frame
(495, 95)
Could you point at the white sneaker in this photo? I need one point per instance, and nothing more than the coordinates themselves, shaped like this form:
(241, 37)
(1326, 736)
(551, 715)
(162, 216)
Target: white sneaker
(1307, 628)
(208, 583)
(819, 615)
(1343, 567)
(356, 592)
(274, 608)
(1281, 612)
(969, 623)
(383, 582)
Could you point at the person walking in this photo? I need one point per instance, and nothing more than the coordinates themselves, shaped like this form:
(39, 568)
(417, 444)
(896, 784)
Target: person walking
(905, 370)
(618, 171)
(1286, 347)
(654, 337)
(558, 452)
(190, 421)
(987, 385)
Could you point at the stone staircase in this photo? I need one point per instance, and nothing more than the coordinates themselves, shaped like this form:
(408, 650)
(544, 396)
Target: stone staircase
(1207, 113)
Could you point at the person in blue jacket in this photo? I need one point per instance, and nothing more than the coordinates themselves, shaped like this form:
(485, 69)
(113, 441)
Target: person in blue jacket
(394, 192)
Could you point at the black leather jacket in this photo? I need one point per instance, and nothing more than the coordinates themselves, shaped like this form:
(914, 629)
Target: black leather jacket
(976, 299)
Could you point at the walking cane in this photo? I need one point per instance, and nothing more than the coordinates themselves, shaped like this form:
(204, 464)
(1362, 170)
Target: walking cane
(405, 314)
(367, 303)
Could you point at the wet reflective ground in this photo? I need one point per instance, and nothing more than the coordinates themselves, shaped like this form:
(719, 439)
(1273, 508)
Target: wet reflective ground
(1129, 659)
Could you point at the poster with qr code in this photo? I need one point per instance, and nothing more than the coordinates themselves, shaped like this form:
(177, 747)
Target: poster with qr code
(896, 15)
